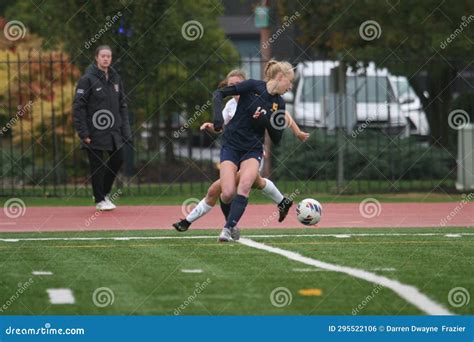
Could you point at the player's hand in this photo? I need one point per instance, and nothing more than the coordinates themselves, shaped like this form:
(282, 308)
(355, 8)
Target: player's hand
(303, 136)
(209, 126)
(87, 141)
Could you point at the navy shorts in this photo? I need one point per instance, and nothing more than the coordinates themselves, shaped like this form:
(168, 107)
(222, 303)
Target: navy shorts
(239, 156)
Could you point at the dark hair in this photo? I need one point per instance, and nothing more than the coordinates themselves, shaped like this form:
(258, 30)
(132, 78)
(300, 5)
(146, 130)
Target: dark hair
(102, 47)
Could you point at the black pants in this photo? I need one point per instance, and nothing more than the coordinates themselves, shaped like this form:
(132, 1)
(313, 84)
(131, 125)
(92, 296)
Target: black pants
(104, 171)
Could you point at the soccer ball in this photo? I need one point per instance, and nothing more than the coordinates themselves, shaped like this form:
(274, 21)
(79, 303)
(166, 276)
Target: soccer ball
(309, 211)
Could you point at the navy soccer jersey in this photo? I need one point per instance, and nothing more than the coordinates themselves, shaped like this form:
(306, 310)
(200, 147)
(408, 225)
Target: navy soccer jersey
(243, 132)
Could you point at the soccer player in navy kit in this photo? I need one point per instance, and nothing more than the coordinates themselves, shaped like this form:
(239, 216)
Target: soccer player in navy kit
(260, 108)
(267, 187)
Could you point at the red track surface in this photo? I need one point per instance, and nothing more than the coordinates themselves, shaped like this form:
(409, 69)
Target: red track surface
(256, 216)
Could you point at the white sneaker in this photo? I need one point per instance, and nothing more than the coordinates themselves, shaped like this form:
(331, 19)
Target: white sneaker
(109, 202)
(235, 233)
(225, 235)
(104, 206)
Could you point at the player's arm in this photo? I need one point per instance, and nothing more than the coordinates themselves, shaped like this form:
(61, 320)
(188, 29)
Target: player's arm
(209, 126)
(227, 114)
(80, 102)
(303, 136)
(219, 95)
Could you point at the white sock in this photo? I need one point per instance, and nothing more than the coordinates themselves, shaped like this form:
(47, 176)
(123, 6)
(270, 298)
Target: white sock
(199, 211)
(272, 192)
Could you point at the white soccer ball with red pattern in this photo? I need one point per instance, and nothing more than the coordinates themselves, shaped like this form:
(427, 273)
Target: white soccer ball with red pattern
(309, 211)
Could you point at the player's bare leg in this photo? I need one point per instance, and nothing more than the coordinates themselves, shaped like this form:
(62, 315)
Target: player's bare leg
(202, 208)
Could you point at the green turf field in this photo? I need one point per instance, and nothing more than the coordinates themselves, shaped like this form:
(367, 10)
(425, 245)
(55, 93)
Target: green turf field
(145, 277)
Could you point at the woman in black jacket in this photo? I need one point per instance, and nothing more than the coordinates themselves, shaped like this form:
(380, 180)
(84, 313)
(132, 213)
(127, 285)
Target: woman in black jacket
(101, 121)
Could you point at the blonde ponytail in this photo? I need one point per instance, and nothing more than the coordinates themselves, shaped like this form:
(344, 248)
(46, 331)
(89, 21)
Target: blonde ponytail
(273, 67)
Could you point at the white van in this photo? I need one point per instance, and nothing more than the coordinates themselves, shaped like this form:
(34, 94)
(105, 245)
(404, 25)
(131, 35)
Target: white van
(371, 98)
(410, 105)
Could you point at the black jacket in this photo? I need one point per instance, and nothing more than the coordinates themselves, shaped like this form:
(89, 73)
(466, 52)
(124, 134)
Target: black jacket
(100, 111)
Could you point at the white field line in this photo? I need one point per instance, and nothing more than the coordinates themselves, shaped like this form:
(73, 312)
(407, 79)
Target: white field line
(312, 269)
(41, 273)
(214, 236)
(192, 271)
(61, 296)
(410, 293)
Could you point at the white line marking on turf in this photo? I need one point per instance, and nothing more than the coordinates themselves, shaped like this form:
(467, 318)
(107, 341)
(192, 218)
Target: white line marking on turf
(410, 293)
(213, 236)
(192, 271)
(42, 273)
(453, 235)
(61, 296)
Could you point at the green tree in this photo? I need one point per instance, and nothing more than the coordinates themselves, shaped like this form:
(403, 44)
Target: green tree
(171, 54)
(410, 40)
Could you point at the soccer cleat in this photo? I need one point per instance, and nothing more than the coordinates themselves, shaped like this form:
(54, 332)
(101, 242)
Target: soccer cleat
(182, 225)
(235, 233)
(109, 202)
(284, 208)
(225, 236)
(104, 206)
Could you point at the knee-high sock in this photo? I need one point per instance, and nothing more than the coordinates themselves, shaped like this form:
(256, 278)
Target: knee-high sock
(225, 207)
(237, 209)
(271, 191)
(199, 211)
